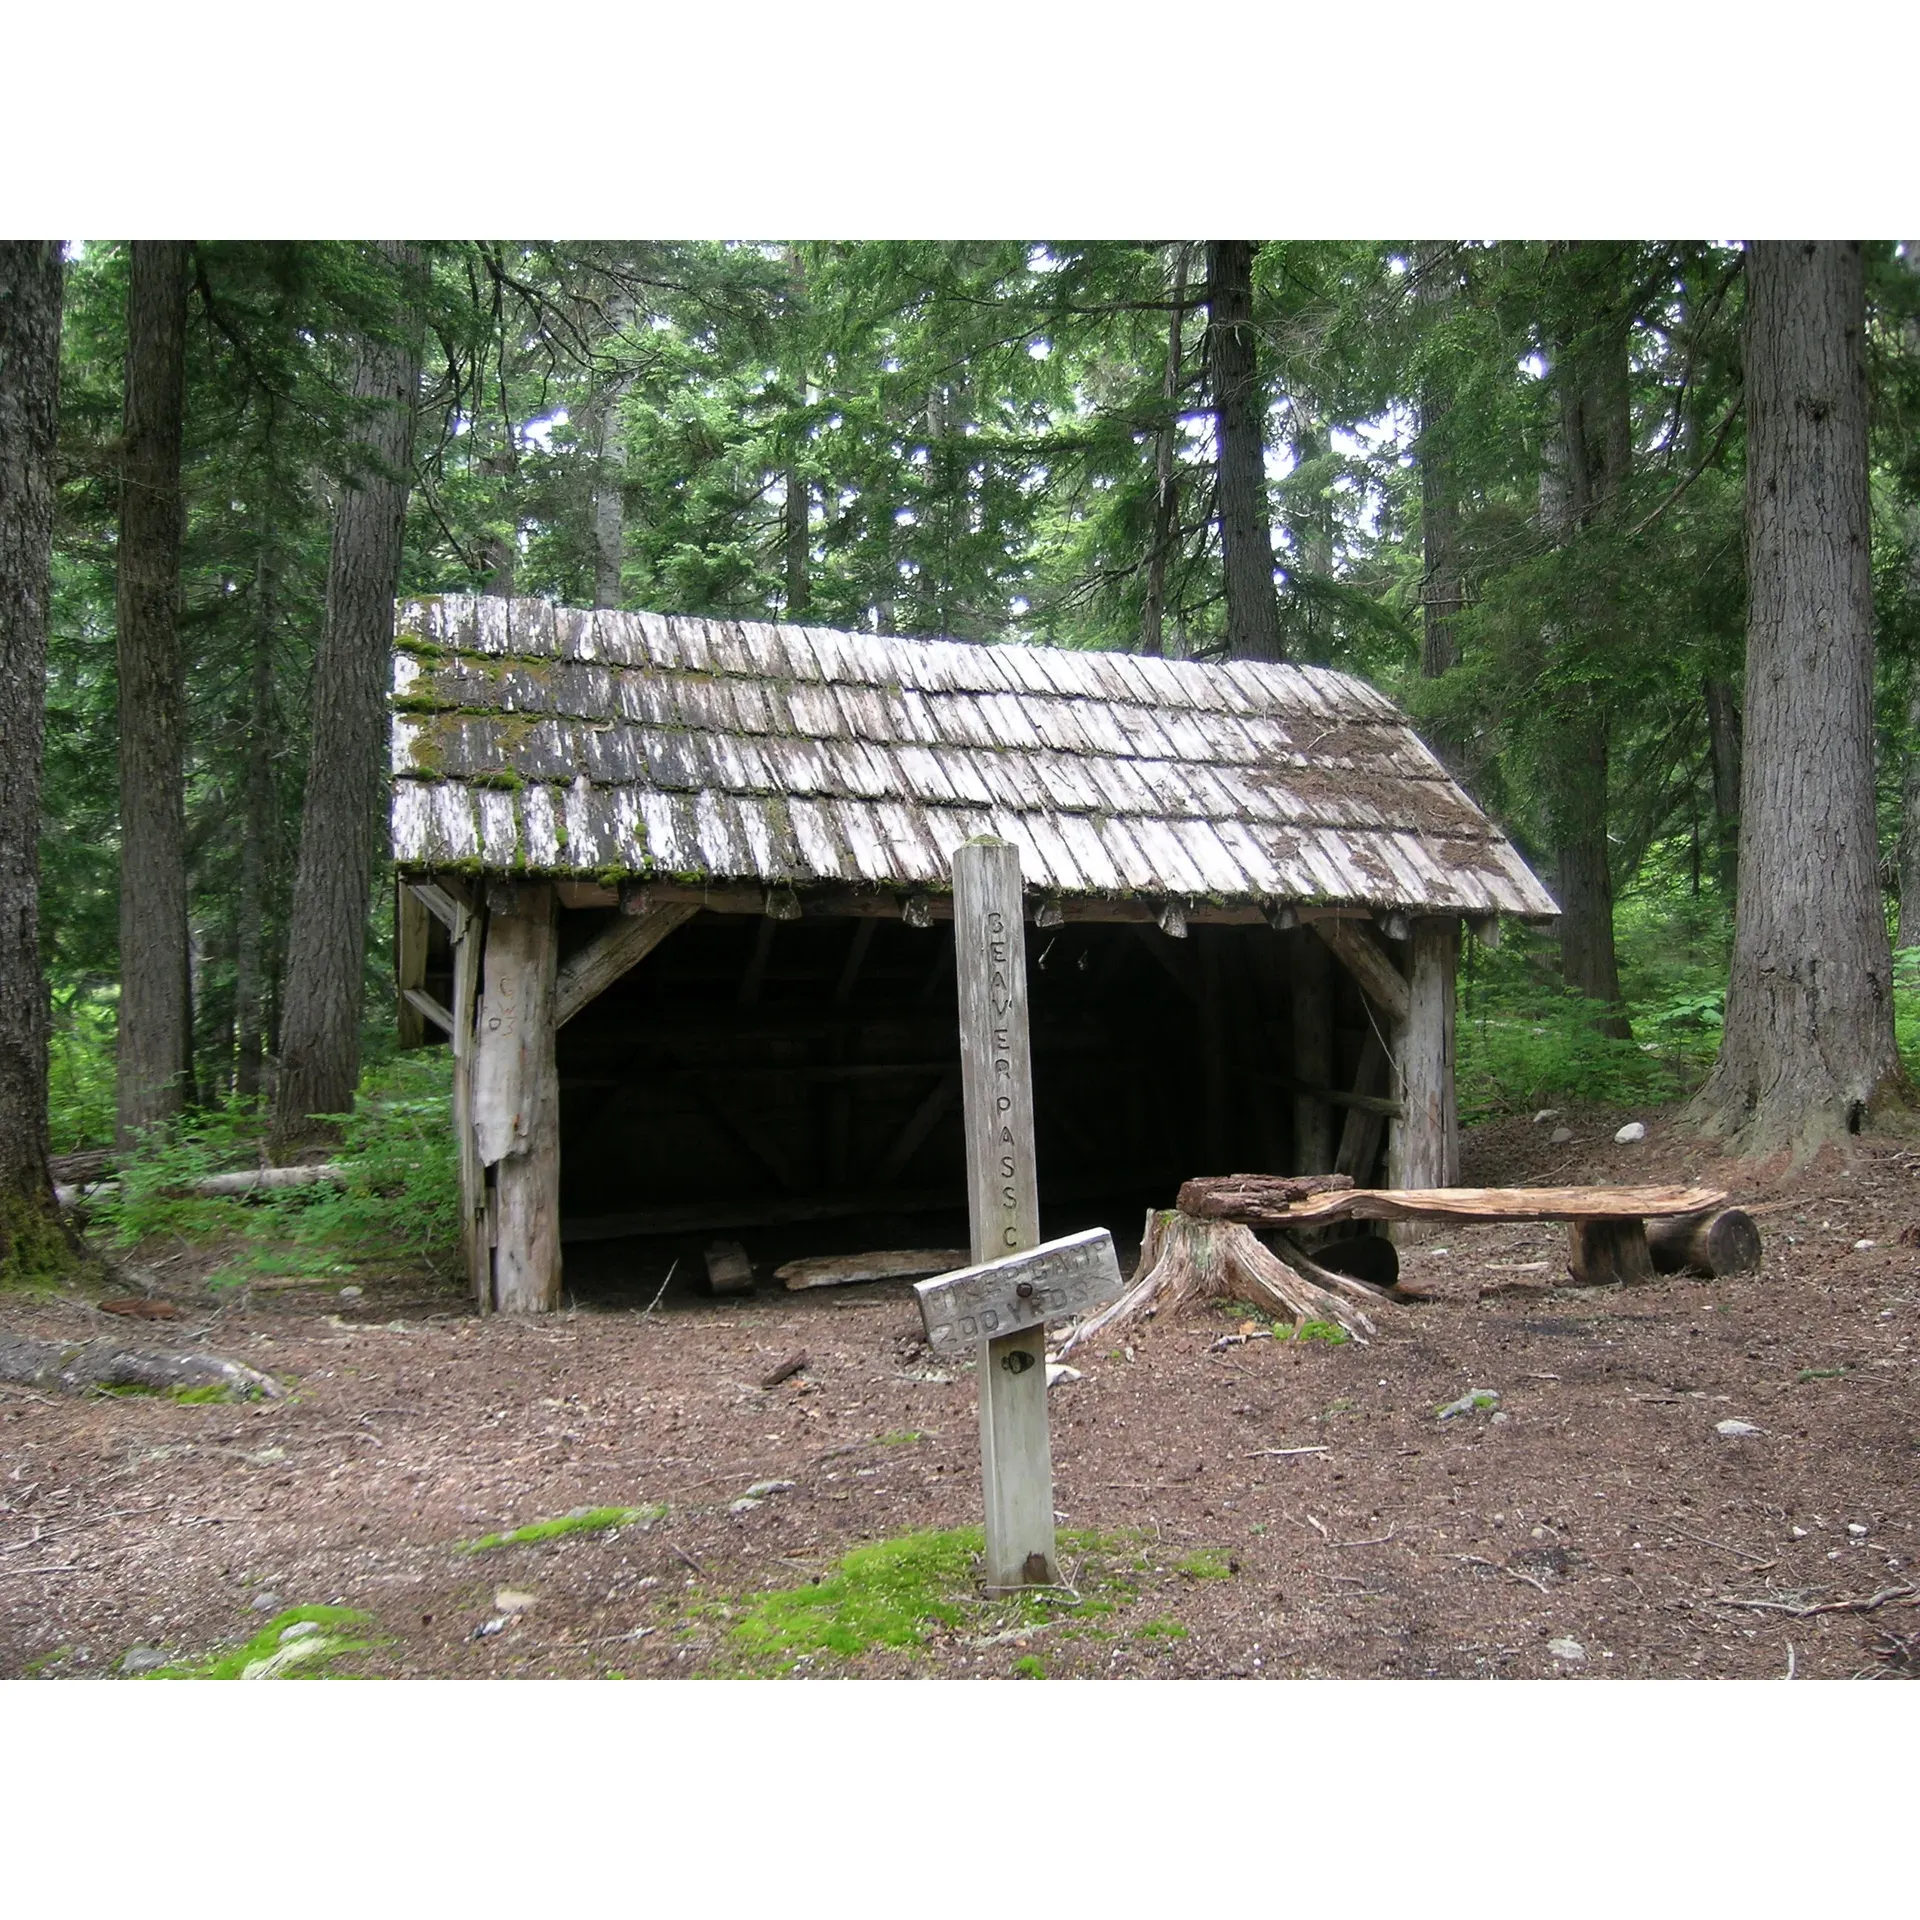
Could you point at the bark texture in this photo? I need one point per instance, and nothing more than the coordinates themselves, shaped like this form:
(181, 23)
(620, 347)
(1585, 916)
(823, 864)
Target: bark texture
(1723, 742)
(259, 812)
(1166, 472)
(326, 945)
(608, 436)
(155, 1033)
(1239, 408)
(1581, 487)
(31, 1239)
(1808, 1052)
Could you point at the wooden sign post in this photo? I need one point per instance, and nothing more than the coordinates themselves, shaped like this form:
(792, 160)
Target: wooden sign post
(1003, 1196)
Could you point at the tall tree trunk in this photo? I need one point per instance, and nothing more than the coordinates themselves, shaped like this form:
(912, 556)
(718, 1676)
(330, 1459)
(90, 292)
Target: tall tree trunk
(1239, 411)
(1910, 760)
(258, 812)
(1808, 1049)
(1723, 751)
(608, 441)
(155, 1034)
(1442, 593)
(1166, 472)
(326, 944)
(796, 533)
(1310, 523)
(32, 1243)
(1580, 488)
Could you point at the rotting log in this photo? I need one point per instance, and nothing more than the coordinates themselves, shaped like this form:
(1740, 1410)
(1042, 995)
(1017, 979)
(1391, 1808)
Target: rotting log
(855, 1269)
(516, 1100)
(1714, 1244)
(72, 1366)
(1184, 1259)
(613, 952)
(223, 1186)
(1254, 1199)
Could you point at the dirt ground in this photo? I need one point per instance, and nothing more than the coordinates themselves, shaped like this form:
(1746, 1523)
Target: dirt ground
(1594, 1524)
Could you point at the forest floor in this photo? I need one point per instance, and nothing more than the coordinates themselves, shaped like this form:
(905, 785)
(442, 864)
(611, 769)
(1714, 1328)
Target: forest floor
(1273, 1509)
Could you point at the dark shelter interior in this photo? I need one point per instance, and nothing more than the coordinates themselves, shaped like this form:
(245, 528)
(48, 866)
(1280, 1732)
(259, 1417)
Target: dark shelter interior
(796, 1083)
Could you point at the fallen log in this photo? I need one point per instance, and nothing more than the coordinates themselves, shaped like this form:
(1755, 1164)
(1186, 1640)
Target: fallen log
(1709, 1243)
(1184, 1259)
(72, 1366)
(220, 1186)
(850, 1269)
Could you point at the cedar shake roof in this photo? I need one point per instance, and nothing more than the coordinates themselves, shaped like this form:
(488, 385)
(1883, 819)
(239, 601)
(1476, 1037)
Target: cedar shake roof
(534, 739)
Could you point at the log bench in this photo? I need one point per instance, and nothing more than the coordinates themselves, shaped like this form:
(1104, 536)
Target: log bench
(1609, 1236)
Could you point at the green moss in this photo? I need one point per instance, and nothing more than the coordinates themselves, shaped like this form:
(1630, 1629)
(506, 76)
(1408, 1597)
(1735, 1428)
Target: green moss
(1207, 1564)
(35, 1249)
(896, 1592)
(265, 1657)
(505, 780)
(1161, 1630)
(588, 1520)
(885, 1595)
(202, 1396)
(1820, 1373)
(907, 1438)
(1029, 1667)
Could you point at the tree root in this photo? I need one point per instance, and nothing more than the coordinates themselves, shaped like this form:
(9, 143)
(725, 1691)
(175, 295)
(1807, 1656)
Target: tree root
(74, 1366)
(1183, 1259)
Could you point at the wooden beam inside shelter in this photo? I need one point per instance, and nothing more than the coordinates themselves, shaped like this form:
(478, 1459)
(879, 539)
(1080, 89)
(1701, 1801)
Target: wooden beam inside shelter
(614, 951)
(1312, 1010)
(1364, 955)
(410, 935)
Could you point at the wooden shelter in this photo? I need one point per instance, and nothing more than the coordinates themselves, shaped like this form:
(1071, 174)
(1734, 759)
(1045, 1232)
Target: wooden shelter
(671, 886)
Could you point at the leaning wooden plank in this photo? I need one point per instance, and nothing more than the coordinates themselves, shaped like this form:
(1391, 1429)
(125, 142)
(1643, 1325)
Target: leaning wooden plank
(608, 955)
(425, 1004)
(1499, 1203)
(1360, 1132)
(1360, 950)
(850, 1269)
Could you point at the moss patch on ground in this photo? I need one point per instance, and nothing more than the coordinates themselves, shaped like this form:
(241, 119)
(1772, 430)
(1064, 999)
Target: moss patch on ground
(899, 1593)
(587, 1520)
(272, 1655)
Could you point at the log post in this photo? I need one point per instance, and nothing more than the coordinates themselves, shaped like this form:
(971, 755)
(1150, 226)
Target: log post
(1312, 980)
(1424, 1147)
(1003, 1195)
(468, 929)
(516, 1099)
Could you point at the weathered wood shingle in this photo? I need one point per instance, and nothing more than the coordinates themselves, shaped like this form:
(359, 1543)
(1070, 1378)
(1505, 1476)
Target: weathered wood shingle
(535, 739)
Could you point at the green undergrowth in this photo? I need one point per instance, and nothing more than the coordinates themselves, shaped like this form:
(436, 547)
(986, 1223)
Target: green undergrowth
(899, 1593)
(1322, 1332)
(587, 1520)
(342, 1630)
(398, 1203)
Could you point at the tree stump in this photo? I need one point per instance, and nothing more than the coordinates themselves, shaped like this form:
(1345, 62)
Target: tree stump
(1184, 1259)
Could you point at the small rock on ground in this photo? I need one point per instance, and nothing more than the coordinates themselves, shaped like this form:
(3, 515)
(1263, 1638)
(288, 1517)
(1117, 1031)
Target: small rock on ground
(142, 1660)
(1734, 1429)
(1628, 1134)
(1569, 1650)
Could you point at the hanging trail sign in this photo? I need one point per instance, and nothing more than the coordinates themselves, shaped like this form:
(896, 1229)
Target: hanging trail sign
(1003, 1204)
(1060, 1280)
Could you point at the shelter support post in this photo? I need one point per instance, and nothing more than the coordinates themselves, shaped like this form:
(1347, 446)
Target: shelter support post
(1423, 1148)
(1003, 1197)
(516, 1099)
(466, 927)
